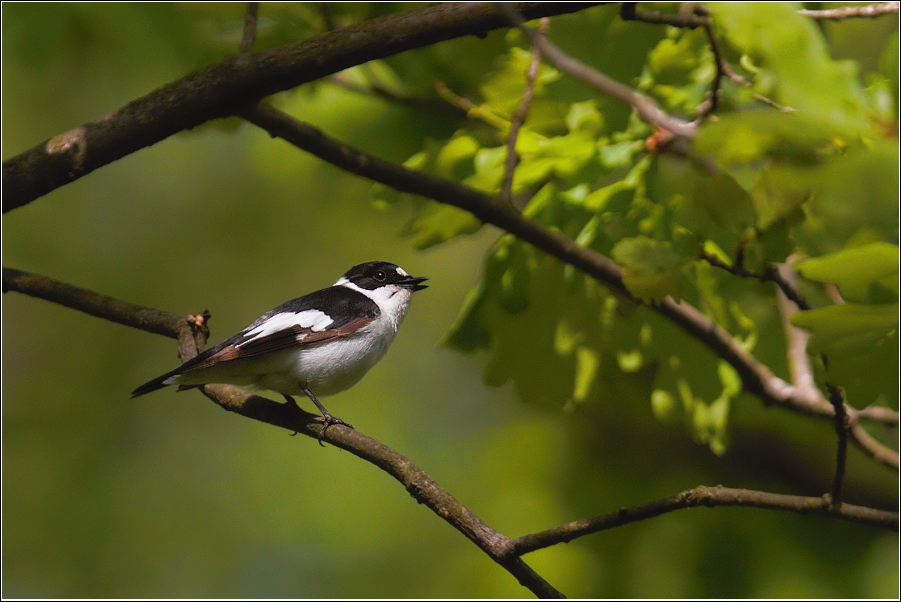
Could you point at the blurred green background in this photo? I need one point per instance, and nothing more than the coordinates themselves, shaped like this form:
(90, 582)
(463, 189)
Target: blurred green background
(169, 496)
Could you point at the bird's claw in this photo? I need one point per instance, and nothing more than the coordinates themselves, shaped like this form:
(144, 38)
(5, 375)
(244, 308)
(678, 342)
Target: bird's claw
(327, 421)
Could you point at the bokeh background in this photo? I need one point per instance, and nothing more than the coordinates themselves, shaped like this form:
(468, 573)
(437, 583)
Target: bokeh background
(169, 496)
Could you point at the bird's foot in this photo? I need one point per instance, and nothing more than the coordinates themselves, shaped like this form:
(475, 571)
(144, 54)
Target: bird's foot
(327, 421)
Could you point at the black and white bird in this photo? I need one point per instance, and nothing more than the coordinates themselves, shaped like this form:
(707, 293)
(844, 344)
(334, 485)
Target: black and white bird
(318, 345)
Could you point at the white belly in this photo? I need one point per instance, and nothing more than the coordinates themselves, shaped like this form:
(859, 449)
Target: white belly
(326, 369)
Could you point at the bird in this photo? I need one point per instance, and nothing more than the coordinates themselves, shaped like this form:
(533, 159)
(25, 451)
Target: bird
(317, 345)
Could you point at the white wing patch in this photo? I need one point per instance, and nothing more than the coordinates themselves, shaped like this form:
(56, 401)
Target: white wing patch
(313, 319)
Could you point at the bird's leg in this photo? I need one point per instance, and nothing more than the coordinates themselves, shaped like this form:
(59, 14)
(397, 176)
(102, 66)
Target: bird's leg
(327, 419)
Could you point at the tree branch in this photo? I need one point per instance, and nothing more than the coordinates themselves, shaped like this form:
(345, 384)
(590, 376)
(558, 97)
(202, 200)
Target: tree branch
(628, 11)
(771, 273)
(250, 27)
(215, 91)
(712, 102)
(519, 118)
(419, 484)
(869, 11)
(757, 378)
(704, 496)
(647, 109)
(191, 341)
(505, 551)
(121, 312)
(837, 399)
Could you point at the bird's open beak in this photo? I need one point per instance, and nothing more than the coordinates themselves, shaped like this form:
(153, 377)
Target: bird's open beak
(414, 283)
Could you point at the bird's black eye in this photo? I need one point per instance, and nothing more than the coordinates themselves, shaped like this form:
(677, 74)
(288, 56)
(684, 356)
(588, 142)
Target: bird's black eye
(380, 275)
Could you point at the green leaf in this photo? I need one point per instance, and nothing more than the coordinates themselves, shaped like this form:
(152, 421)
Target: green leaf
(619, 154)
(439, 224)
(847, 324)
(585, 118)
(888, 66)
(470, 331)
(652, 270)
(750, 136)
(859, 272)
(503, 90)
(719, 210)
(789, 49)
(858, 189)
(459, 150)
(560, 156)
(780, 191)
(861, 344)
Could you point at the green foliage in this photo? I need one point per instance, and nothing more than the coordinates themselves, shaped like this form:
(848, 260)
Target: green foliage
(806, 180)
(859, 338)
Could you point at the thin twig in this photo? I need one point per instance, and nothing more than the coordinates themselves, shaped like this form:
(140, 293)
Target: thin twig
(741, 81)
(705, 496)
(770, 274)
(796, 339)
(328, 17)
(250, 27)
(647, 109)
(887, 416)
(868, 444)
(376, 90)
(837, 399)
(519, 117)
(870, 11)
(757, 378)
(711, 103)
(472, 110)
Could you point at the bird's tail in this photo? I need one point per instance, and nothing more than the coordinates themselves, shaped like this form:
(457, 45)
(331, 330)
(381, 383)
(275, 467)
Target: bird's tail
(169, 378)
(149, 387)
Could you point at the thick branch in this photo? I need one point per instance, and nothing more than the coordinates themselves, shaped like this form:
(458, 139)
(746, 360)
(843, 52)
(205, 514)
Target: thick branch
(704, 496)
(215, 91)
(757, 378)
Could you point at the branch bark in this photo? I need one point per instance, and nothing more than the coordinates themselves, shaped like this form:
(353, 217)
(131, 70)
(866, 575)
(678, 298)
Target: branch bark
(705, 496)
(217, 90)
(870, 11)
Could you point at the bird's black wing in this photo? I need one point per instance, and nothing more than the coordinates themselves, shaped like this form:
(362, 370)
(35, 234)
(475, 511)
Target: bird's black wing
(327, 314)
